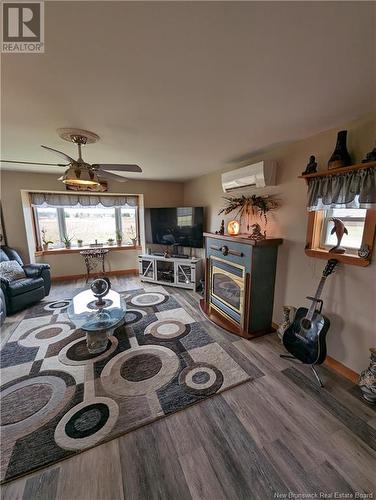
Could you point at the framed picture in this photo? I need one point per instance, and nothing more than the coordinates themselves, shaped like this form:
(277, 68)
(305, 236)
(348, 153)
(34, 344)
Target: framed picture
(3, 236)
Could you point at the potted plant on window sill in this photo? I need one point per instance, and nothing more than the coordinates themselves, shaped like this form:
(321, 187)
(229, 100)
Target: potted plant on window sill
(119, 238)
(67, 240)
(79, 243)
(110, 241)
(45, 241)
(133, 236)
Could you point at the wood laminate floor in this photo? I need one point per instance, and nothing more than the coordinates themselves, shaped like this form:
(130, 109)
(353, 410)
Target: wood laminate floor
(275, 434)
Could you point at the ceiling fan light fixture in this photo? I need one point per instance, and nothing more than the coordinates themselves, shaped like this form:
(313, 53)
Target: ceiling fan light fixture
(80, 173)
(80, 177)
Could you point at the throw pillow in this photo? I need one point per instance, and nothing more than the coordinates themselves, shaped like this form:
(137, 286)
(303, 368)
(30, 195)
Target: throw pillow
(11, 270)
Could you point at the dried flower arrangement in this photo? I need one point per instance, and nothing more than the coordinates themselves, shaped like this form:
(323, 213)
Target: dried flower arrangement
(247, 205)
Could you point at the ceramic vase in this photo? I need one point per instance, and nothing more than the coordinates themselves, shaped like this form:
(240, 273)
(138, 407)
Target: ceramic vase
(340, 157)
(367, 380)
(288, 318)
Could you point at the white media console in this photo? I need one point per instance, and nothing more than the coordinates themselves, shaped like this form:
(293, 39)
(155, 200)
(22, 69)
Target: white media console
(173, 271)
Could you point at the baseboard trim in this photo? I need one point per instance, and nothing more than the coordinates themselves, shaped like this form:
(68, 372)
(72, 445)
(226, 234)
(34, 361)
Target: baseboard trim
(343, 370)
(121, 272)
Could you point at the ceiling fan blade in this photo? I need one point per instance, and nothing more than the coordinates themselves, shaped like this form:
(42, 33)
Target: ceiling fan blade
(36, 163)
(102, 174)
(60, 153)
(118, 167)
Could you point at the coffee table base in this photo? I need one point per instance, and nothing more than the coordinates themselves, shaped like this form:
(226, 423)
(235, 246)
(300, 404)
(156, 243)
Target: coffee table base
(97, 341)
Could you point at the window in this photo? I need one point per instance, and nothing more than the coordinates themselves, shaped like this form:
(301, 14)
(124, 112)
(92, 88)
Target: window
(49, 226)
(185, 216)
(361, 226)
(129, 224)
(354, 220)
(353, 189)
(92, 225)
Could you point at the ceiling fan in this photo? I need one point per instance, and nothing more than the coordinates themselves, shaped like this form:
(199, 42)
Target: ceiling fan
(78, 172)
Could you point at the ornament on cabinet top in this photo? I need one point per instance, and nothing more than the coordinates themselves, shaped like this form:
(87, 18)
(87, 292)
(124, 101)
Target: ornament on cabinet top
(233, 228)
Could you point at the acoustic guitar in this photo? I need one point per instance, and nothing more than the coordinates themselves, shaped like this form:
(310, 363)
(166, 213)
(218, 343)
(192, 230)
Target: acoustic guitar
(305, 338)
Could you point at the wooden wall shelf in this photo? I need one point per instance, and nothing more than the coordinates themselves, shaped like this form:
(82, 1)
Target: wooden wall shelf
(351, 168)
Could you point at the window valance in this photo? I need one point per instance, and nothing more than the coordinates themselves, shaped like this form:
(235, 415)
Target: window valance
(354, 189)
(82, 200)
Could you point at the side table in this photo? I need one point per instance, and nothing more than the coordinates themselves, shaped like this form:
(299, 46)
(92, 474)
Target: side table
(94, 261)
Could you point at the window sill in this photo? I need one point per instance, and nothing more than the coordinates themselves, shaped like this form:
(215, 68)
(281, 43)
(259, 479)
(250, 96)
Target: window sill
(62, 251)
(346, 258)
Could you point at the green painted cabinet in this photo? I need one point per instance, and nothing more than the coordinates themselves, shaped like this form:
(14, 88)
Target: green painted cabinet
(239, 284)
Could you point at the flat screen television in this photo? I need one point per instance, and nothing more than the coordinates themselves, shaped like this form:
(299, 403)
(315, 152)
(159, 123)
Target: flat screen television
(181, 226)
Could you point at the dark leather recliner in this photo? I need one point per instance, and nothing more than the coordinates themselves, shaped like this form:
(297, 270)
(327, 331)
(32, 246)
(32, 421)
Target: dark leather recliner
(25, 291)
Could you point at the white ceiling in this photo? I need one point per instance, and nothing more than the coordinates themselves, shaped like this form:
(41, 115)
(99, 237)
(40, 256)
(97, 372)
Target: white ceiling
(185, 88)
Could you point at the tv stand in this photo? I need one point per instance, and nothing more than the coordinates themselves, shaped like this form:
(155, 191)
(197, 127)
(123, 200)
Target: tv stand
(174, 255)
(172, 271)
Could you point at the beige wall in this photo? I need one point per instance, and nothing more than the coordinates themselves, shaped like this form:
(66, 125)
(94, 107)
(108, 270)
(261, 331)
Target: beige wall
(350, 294)
(155, 194)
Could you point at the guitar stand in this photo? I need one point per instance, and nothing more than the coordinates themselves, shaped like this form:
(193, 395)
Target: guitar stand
(288, 356)
(317, 376)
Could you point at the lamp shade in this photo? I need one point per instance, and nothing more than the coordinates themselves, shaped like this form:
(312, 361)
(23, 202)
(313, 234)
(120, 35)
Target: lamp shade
(80, 177)
(233, 227)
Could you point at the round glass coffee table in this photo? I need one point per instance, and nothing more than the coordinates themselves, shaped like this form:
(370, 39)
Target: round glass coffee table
(97, 321)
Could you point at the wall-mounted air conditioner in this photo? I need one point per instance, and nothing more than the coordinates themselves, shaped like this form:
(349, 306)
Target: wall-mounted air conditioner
(258, 175)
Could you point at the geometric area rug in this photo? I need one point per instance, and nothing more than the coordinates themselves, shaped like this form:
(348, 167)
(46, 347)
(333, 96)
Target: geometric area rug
(58, 400)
